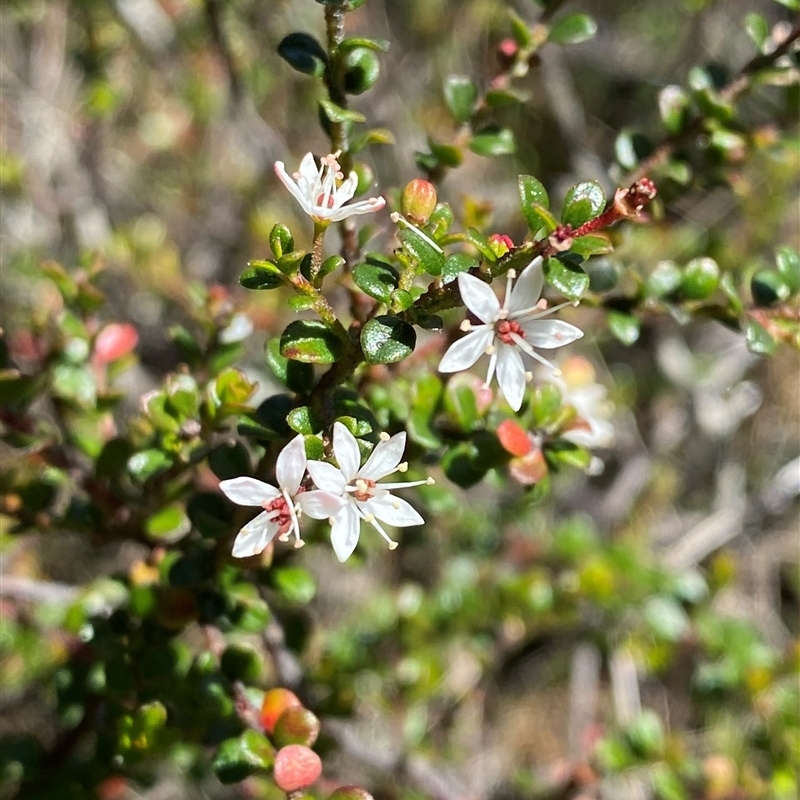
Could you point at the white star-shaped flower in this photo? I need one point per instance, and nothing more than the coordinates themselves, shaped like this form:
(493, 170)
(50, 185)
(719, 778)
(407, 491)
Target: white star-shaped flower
(317, 192)
(507, 329)
(589, 399)
(282, 506)
(363, 497)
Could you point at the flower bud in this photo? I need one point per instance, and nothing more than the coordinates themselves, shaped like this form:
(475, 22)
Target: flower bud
(114, 341)
(418, 200)
(280, 240)
(275, 702)
(500, 244)
(296, 767)
(296, 725)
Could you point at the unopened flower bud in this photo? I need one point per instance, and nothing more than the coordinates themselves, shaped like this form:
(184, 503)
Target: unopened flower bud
(500, 244)
(297, 725)
(276, 702)
(296, 767)
(418, 200)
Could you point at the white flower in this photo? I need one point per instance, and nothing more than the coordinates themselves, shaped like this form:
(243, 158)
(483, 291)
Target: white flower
(282, 506)
(364, 498)
(579, 390)
(507, 329)
(317, 192)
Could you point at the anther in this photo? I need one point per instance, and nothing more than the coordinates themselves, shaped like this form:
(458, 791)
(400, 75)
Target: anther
(528, 377)
(393, 545)
(298, 544)
(430, 481)
(369, 518)
(384, 437)
(402, 466)
(465, 326)
(489, 349)
(512, 273)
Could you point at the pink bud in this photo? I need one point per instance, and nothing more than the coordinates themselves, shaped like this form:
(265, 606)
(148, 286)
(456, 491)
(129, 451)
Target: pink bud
(501, 244)
(296, 767)
(514, 438)
(418, 200)
(114, 341)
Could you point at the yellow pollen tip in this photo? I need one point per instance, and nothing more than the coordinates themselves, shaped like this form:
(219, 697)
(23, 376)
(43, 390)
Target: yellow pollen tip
(284, 537)
(298, 544)
(384, 437)
(395, 504)
(576, 303)
(393, 545)
(528, 377)
(394, 217)
(430, 481)
(465, 326)
(331, 520)
(489, 349)
(369, 518)
(361, 485)
(557, 373)
(402, 467)
(512, 273)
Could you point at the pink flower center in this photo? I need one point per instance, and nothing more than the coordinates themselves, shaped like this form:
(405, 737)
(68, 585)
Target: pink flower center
(321, 200)
(506, 327)
(364, 489)
(284, 517)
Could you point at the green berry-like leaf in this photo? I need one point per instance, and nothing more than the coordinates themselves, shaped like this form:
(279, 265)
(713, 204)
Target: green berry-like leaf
(583, 202)
(386, 339)
(310, 341)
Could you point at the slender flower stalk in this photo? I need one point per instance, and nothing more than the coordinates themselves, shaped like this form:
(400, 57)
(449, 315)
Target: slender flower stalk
(322, 192)
(515, 326)
(362, 496)
(282, 505)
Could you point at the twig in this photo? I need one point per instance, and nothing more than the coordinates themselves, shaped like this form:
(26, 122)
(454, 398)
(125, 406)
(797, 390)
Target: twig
(740, 84)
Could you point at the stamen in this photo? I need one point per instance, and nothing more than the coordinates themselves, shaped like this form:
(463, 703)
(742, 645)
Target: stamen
(528, 377)
(544, 313)
(430, 481)
(465, 326)
(284, 537)
(490, 349)
(402, 466)
(526, 348)
(374, 522)
(398, 219)
(393, 545)
(395, 503)
(384, 437)
(298, 544)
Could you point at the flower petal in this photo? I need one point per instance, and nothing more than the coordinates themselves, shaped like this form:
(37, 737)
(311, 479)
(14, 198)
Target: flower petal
(248, 491)
(361, 207)
(326, 477)
(392, 510)
(346, 190)
(345, 448)
(528, 287)
(254, 537)
(291, 465)
(320, 505)
(478, 297)
(308, 169)
(511, 375)
(464, 352)
(383, 460)
(296, 191)
(550, 333)
(345, 529)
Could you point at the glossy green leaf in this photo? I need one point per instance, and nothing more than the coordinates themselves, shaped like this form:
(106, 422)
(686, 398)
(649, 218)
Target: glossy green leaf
(376, 279)
(532, 194)
(304, 420)
(565, 277)
(281, 240)
(632, 148)
(352, 42)
(673, 106)
(335, 113)
(460, 94)
(455, 264)
(386, 340)
(303, 53)
(700, 278)
(310, 341)
(261, 275)
(757, 29)
(295, 375)
(237, 759)
(240, 661)
(593, 244)
(626, 327)
(168, 525)
(430, 259)
(74, 384)
(147, 463)
(493, 143)
(664, 279)
(573, 29)
(768, 288)
(583, 202)
(787, 260)
(539, 218)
